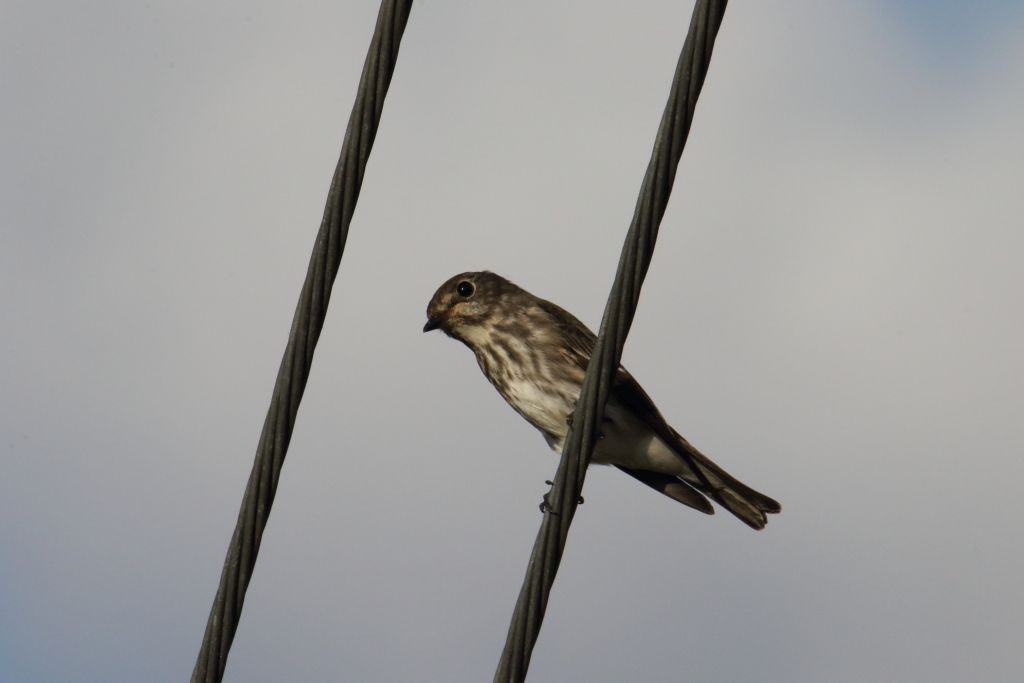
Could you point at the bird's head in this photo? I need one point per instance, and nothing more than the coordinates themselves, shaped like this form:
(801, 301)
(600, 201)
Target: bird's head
(466, 301)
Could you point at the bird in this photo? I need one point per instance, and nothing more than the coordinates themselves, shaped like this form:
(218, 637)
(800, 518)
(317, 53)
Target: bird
(536, 353)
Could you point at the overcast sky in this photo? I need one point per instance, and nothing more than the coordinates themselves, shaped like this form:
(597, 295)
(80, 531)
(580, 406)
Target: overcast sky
(835, 314)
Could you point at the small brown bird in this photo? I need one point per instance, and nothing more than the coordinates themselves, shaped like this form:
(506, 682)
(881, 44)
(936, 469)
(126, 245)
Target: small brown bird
(535, 354)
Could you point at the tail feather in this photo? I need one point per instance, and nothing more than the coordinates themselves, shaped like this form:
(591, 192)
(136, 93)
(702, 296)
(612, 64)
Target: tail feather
(741, 507)
(755, 498)
(748, 505)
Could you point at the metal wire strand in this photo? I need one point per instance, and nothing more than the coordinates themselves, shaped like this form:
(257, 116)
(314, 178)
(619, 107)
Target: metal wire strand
(615, 324)
(305, 331)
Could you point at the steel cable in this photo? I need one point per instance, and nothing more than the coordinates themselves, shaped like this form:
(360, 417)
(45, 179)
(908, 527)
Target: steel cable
(307, 324)
(618, 317)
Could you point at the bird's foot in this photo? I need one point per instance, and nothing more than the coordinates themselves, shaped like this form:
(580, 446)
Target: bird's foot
(568, 421)
(568, 418)
(545, 504)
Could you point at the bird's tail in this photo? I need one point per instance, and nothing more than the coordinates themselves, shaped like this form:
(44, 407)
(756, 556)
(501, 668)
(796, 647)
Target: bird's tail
(735, 496)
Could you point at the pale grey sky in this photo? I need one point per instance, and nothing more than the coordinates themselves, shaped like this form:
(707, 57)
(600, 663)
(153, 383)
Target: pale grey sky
(835, 313)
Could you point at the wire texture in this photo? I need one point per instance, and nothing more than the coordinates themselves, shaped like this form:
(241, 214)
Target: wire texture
(615, 323)
(305, 332)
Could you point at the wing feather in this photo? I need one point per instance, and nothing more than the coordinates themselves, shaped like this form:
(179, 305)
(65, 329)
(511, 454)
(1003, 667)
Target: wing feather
(744, 502)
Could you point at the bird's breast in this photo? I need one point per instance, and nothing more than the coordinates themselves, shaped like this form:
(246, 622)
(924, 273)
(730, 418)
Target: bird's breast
(529, 376)
(545, 404)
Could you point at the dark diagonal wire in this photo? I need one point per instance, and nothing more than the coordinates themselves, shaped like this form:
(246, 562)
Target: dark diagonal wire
(604, 362)
(302, 339)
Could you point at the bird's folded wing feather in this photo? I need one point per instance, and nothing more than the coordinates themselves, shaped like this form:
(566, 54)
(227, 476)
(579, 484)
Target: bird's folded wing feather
(743, 501)
(578, 342)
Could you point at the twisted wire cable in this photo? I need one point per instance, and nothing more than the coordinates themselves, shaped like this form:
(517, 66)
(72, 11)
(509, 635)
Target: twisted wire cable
(305, 332)
(604, 362)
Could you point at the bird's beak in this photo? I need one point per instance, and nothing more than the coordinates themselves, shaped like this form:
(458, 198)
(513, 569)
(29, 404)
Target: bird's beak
(435, 321)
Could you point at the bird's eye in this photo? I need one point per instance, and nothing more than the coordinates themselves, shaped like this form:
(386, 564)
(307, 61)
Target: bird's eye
(465, 289)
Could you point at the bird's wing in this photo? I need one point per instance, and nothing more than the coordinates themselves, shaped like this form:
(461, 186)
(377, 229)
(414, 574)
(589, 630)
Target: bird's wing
(578, 342)
(576, 339)
(743, 501)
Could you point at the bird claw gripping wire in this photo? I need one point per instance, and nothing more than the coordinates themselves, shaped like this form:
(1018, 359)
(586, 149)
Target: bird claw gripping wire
(545, 504)
(600, 434)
